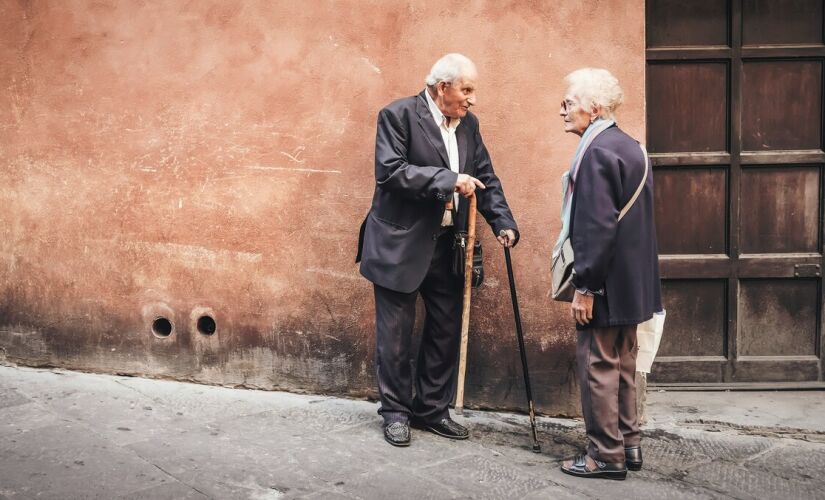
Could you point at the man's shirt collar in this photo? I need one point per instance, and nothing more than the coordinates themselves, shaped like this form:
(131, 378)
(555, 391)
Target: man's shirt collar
(438, 116)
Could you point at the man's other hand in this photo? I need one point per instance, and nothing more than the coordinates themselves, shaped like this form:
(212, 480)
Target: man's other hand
(507, 237)
(466, 185)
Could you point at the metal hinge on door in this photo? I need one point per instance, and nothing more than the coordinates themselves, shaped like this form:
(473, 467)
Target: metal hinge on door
(806, 271)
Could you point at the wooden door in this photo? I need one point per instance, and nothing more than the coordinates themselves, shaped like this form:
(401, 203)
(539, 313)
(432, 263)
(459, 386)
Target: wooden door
(735, 131)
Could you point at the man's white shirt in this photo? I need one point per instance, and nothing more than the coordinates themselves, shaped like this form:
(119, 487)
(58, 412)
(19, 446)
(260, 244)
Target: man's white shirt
(448, 135)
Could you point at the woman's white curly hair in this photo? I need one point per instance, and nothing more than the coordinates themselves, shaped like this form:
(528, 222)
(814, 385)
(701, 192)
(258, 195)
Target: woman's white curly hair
(595, 87)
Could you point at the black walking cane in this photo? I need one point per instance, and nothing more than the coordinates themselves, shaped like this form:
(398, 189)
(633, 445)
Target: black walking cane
(520, 335)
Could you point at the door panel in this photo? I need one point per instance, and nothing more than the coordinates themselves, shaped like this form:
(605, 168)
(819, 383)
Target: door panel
(779, 210)
(690, 101)
(671, 25)
(781, 105)
(782, 22)
(773, 370)
(696, 318)
(778, 317)
(700, 192)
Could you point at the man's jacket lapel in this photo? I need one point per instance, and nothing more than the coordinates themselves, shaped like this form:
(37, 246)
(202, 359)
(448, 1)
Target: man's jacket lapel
(461, 139)
(427, 123)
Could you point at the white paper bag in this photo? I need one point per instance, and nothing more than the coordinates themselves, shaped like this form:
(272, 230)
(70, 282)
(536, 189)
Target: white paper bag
(648, 335)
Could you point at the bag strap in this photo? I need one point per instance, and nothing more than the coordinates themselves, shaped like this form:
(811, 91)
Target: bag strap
(454, 210)
(639, 189)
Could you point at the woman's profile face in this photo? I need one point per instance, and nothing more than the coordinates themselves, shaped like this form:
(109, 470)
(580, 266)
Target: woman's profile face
(576, 119)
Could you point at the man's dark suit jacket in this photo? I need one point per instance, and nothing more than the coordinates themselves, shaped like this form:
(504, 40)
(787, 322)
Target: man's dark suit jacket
(620, 257)
(413, 181)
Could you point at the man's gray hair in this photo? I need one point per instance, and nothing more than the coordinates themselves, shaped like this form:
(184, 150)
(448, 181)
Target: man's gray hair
(450, 68)
(596, 87)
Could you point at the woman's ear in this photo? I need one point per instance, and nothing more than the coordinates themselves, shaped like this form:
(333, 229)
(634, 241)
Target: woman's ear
(594, 113)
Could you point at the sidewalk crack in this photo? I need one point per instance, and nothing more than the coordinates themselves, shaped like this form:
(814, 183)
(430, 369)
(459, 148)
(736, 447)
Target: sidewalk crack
(158, 467)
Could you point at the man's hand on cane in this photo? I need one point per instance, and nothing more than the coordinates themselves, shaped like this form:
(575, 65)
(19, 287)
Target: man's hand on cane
(507, 238)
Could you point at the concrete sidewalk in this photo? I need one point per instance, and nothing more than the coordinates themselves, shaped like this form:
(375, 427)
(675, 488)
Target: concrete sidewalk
(67, 435)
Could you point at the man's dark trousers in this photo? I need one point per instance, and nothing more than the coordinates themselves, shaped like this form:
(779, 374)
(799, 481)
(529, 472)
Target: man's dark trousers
(436, 366)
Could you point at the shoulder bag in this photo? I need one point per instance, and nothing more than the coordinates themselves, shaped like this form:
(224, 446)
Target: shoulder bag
(459, 260)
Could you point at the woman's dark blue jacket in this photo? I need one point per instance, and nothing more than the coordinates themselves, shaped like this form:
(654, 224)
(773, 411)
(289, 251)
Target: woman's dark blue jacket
(618, 257)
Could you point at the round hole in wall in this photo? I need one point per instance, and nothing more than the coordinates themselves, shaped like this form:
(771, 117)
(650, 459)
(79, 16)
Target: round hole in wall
(162, 327)
(207, 325)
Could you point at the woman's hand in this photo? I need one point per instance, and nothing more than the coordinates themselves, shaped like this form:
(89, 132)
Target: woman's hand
(582, 308)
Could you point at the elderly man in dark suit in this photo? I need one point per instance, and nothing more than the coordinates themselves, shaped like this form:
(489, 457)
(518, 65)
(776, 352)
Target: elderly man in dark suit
(428, 151)
(613, 236)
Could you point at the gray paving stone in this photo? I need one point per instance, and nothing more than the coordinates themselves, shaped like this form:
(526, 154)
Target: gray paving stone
(68, 461)
(210, 403)
(730, 445)
(332, 416)
(330, 495)
(50, 384)
(399, 484)
(233, 465)
(670, 456)
(167, 491)
(739, 482)
(124, 418)
(794, 460)
(21, 419)
(10, 397)
(554, 493)
(480, 477)
(769, 409)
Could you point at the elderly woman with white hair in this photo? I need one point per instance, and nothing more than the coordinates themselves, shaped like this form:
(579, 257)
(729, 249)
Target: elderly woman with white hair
(608, 223)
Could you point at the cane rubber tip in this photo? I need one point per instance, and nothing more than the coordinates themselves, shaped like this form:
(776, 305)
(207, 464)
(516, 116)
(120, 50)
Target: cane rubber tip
(459, 411)
(536, 448)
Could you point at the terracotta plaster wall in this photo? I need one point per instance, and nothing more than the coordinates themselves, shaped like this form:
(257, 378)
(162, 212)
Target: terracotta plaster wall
(178, 158)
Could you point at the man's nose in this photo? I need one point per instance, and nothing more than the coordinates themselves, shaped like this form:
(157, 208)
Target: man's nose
(471, 100)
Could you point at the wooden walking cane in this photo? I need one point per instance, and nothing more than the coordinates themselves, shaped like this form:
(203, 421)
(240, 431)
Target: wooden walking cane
(465, 310)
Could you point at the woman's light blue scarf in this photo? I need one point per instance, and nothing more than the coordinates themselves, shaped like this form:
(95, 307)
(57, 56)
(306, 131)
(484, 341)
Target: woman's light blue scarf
(569, 177)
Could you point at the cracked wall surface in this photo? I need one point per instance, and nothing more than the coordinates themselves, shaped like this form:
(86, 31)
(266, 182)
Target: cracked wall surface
(185, 158)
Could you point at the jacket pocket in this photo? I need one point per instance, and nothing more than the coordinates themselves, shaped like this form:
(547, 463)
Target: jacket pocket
(390, 223)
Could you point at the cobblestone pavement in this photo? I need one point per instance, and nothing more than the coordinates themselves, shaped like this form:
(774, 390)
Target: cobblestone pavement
(67, 435)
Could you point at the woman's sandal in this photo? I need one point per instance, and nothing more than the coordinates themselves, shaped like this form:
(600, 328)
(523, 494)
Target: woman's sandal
(604, 470)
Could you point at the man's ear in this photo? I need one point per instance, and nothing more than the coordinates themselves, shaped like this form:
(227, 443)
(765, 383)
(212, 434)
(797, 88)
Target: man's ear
(440, 88)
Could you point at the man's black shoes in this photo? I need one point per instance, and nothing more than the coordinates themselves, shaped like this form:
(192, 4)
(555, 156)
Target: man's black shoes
(397, 433)
(446, 427)
(633, 457)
